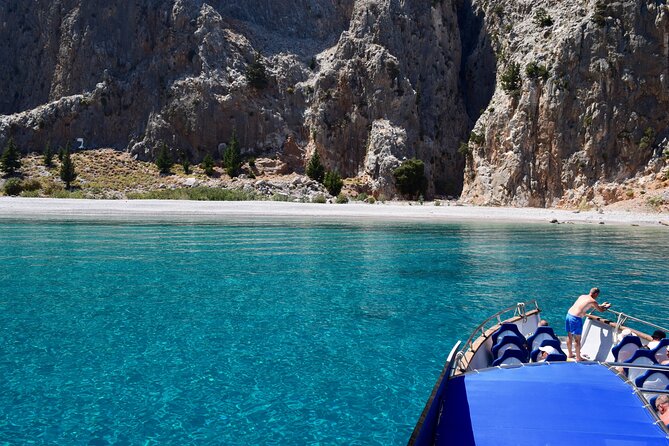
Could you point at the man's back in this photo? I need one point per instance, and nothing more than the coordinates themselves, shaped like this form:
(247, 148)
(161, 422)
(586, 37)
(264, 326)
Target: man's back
(582, 304)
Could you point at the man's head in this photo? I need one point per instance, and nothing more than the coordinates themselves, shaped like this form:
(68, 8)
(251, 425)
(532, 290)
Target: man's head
(594, 293)
(662, 403)
(658, 335)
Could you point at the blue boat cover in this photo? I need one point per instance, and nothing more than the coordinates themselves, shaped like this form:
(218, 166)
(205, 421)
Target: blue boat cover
(548, 404)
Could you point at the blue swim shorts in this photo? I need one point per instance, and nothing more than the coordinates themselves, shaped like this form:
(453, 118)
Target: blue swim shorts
(573, 324)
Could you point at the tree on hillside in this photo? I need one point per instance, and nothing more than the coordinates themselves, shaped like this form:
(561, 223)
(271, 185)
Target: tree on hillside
(67, 171)
(333, 183)
(208, 165)
(48, 155)
(185, 161)
(232, 158)
(255, 73)
(410, 178)
(315, 169)
(10, 162)
(164, 160)
(510, 79)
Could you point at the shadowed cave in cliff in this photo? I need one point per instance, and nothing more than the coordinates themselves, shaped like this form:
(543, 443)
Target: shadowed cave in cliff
(478, 63)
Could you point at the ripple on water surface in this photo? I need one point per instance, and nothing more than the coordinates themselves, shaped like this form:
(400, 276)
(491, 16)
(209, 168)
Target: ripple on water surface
(273, 333)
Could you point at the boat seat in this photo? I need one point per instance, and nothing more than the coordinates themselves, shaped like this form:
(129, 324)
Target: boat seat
(624, 350)
(652, 380)
(509, 343)
(534, 341)
(556, 357)
(506, 329)
(640, 357)
(510, 357)
(660, 351)
(555, 343)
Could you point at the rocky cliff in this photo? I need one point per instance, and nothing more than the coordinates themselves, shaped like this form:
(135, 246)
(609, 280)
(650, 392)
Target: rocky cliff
(367, 83)
(590, 105)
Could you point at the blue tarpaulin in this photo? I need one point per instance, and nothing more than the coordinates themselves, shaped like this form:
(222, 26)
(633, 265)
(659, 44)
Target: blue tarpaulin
(549, 404)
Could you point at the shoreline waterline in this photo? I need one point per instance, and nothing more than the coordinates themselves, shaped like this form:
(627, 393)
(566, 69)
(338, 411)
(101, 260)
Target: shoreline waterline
(120, 210)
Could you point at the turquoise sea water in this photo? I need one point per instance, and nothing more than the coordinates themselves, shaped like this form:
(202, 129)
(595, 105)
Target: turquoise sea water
(284, 332)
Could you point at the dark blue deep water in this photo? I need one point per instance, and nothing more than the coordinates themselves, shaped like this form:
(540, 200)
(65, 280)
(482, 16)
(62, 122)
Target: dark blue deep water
(284, 332)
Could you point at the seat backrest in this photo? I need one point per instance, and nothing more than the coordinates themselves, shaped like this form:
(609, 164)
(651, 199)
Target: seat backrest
(556, 357)
(542, 333)
(508, 343)
(640, 357)
(652, 380)
(624, 349)
(555, 343)
(510, 357)
(660, 351)
(506, 329)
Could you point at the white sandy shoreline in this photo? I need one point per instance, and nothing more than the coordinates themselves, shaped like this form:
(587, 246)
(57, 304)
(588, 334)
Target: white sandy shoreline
(119, 210)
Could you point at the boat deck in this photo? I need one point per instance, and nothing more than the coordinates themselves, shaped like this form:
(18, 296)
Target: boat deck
(562, 403)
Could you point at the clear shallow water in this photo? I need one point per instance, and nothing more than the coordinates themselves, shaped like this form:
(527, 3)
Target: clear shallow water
(274, 333)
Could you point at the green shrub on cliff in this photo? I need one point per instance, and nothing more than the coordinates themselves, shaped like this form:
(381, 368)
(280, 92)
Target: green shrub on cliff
(510, 79)
(255, 73)
(542, 19)
(601, 11)
(533, 70)
(647, 139)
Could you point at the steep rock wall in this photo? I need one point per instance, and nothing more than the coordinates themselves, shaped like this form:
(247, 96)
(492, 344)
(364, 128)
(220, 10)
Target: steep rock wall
(367, 83)
(134, 76)
(601, 113)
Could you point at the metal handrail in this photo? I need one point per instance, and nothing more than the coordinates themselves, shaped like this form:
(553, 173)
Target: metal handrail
(517, 309)
(610, 365)
(626, 317)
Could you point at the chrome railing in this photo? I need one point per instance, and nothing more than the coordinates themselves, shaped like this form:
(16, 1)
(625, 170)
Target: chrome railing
(519, 310)
(622, 318)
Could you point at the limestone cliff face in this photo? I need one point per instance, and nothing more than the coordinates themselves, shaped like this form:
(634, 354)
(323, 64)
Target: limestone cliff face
(600, 111)
(367, 83)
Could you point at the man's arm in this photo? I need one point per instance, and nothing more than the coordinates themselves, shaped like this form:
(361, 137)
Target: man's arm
(601, 308)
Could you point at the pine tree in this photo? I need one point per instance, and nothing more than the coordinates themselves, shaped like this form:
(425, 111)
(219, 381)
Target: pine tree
(48, 156)
(10, 162)
(185, 162)
(255, 73)
(315, 169)
(333, 183)
(67, 171)
(232, 158)
(510, 79)
(164, 160)
(208, 165)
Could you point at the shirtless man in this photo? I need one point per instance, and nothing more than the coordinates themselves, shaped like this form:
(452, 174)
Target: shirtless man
(574, 319)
